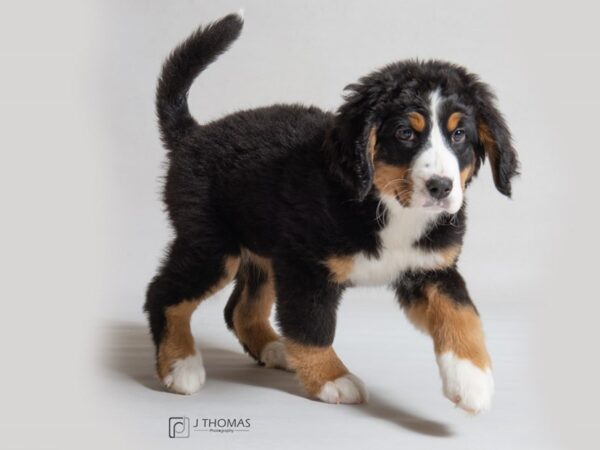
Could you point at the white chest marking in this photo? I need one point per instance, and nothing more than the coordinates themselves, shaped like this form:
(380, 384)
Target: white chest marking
(404, 227)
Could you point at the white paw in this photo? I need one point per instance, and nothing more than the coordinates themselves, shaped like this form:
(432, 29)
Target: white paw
(465, 384)
(346, 389)
(274, 355)
(187, 375)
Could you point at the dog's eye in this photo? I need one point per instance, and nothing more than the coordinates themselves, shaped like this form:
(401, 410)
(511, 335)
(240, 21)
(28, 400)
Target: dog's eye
(459, 135)
(405, 134)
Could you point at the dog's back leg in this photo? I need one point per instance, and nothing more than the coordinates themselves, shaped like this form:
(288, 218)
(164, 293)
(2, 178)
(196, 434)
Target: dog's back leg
(190, 274)
(248, 310)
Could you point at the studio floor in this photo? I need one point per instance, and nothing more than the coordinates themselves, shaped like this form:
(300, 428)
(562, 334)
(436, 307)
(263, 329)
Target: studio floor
(406, 408)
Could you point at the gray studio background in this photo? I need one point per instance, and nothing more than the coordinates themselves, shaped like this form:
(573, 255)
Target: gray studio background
(84, 229)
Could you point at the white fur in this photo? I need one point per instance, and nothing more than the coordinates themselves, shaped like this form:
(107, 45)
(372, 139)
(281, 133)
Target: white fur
(187, 375)
(346, 389)
(403, 228)
(438, 159)
(273, 355)
(465, 384)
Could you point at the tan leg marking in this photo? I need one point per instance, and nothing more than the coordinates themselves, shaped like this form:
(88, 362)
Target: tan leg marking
(453, 327)
(394, 181)
(315, 366)
(251, 316)
(462, 358)
(178, 342)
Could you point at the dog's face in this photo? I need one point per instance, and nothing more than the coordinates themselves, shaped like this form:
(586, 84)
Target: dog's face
(419, 132)
(424, 152)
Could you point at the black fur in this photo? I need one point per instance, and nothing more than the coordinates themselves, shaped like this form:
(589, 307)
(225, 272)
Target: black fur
(449, 230)
(295, 184)
(410, 287)
(306, 301)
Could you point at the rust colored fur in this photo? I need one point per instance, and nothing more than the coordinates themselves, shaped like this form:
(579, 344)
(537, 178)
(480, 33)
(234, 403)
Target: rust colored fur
(314, 366)
(453, 327)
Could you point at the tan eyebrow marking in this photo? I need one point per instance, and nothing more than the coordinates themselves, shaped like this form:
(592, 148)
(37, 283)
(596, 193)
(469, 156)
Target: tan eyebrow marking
(417, 121)
(453, 121)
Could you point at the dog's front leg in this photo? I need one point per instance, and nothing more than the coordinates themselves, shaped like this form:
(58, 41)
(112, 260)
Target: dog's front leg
(306, 311)
(439, 304)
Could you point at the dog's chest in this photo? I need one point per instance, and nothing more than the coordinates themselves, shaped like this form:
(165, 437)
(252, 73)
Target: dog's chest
(398, 252)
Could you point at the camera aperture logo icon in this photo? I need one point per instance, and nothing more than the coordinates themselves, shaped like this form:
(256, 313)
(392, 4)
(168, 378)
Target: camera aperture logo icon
(179, 427)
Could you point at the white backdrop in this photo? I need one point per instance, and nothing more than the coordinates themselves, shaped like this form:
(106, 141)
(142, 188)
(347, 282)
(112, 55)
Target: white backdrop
(84, 228)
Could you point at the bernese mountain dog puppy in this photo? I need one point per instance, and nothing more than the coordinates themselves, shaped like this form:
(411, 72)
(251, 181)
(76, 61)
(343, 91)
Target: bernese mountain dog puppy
(296, 204)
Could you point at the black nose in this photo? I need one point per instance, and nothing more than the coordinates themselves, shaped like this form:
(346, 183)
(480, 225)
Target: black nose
(439, 187)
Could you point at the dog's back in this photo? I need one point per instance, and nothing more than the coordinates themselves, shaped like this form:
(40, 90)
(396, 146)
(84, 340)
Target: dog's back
(252, 157)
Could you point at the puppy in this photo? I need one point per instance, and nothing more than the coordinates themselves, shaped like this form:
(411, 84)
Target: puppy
(296, 204)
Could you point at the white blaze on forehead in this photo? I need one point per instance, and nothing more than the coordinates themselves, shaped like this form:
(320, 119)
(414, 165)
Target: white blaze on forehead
(437, 159)
(443, 161)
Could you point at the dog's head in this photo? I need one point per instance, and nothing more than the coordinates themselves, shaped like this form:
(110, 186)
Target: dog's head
(419, 131)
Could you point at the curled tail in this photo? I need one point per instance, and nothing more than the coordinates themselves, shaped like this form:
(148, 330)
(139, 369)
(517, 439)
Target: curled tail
(180, 69)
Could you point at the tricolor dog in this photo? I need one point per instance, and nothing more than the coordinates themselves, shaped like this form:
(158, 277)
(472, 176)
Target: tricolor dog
(296, 204)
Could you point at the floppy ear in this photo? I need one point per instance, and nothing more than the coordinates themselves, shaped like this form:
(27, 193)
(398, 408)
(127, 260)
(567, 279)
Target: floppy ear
(351, 149)
(351, 141)
(495, 141)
